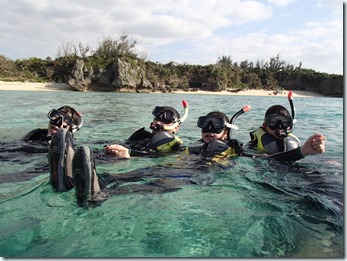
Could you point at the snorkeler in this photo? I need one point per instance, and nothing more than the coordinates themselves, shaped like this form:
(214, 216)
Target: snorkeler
(63, 117)
(216, 136)
(275, 136)
(161, 139)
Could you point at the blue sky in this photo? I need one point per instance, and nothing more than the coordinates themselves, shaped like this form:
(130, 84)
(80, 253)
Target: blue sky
(183, 31)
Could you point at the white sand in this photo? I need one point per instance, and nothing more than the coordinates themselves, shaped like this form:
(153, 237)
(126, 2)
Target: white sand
(34, 86)
(259, 93)
(51, 86)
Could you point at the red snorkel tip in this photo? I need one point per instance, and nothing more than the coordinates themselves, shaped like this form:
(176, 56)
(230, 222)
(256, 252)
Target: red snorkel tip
(290, 95)
(246, 108)
(184, 104)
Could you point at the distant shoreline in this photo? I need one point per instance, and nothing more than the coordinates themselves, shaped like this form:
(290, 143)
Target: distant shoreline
(51, 86)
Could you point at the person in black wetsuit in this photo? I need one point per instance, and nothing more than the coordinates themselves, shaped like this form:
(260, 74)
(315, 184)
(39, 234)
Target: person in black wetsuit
(215, 141)
(161, 139)
(63, 117)
(275, 136)
(38, 140)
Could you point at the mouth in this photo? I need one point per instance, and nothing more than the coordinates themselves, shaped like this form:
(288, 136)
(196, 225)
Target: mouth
(156, 127)
(209, 137)
(54, 129)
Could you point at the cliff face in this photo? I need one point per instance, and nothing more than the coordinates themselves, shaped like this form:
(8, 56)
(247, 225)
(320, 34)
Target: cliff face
(136, 76)
(330, 86)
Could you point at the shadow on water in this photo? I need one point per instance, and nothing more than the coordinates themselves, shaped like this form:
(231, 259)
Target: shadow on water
(245, 208)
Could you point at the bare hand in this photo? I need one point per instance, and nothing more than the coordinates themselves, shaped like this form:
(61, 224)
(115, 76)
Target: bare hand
(314, 145)
(119, 151)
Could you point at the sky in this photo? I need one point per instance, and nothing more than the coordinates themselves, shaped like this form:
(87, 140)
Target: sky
(195, 32)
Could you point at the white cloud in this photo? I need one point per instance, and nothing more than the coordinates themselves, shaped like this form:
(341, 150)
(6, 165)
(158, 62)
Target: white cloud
(190, 31)
(281, 3)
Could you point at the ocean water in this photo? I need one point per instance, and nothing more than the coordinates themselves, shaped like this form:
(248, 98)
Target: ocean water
(248, 208)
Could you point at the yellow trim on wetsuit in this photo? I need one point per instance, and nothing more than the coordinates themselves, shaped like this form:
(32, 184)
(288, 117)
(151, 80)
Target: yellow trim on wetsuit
(259, 135)
(169, 146)
(230, 152)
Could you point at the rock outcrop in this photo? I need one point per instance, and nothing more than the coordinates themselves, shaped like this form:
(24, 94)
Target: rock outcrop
(133, 76)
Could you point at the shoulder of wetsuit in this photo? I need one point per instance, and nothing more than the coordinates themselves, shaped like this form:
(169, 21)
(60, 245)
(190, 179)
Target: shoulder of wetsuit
(214, 147)
(195, 148)
(140, 134)
(165, 142)
(38, 135)
(291, 142)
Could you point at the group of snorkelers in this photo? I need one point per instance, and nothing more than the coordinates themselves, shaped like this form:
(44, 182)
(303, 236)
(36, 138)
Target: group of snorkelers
(73, 166)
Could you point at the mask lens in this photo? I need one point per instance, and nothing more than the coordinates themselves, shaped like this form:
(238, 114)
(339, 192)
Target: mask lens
(55, 114)
(211, 125)
(275, 120)
(68, 120)
(165, 116)
(212, 130)
(205, 121)
(58, 118)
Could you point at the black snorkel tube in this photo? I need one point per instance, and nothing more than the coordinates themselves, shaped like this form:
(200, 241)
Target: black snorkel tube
(292, 107)
(180, 120)
(234, 117)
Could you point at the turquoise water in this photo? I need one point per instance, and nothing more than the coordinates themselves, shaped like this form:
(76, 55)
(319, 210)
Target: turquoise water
(246, 209)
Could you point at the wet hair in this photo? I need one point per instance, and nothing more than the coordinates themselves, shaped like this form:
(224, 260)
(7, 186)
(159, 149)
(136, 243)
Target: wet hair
(277, 109)
(218, 114)
(77, 118)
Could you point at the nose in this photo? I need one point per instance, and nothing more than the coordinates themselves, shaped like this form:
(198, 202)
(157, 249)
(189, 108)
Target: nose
(280, 124)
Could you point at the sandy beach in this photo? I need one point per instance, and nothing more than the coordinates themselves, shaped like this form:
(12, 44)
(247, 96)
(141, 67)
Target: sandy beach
(51, 86)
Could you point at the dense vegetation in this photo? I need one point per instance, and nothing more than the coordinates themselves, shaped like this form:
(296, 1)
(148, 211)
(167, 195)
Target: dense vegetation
(225, 74)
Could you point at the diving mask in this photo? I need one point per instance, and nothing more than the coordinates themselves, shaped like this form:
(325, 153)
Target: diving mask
(59, 118)
(165, 114)
(279, 121)
(213, 124)
(168, 115)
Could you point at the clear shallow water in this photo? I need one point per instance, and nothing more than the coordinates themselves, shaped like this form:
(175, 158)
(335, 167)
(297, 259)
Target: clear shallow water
(248, 209)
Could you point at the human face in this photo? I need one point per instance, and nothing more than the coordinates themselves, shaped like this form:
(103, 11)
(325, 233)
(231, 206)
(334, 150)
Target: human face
(279, 121)
(158, 126)
(211, 124)
(164, 114)
(278, 125)
(276, 133)
(208, 136)
(58, 120)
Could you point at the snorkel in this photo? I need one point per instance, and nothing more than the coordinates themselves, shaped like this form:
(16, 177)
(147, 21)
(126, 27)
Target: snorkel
(180, 120)
(292, 107)
(282, 130)
(233, 118)
(76, 127)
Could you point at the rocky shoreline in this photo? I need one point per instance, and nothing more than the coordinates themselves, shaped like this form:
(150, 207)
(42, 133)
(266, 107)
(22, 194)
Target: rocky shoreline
(51, 86)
